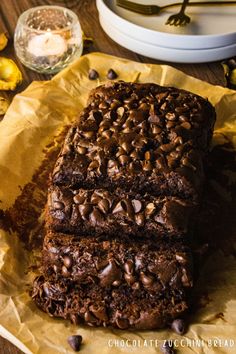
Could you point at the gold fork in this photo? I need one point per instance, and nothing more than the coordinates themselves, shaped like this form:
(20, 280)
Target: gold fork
(155, 9)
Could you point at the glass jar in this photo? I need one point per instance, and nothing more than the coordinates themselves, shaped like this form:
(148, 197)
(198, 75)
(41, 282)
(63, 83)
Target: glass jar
(48, 38)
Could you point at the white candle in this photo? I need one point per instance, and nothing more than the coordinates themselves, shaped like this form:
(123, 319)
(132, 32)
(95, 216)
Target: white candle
(47, 44)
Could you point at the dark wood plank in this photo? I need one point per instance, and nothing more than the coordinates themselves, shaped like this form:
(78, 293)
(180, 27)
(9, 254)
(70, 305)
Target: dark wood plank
(87, 12)
(8, 348)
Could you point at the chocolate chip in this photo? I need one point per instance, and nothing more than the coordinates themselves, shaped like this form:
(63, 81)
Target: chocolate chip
(122, 323)
(126, 146)
(147, 166)
(137, 205)
(116, 283)
(156, 129)
(186, 125)
(128, 207)
(58, 205)
(88, 135)
(180, 258)
(93, 165)
(129, 266)
(160, 163)
(186, 162)
(183, 118)
(150, 208)
(78, 199)
(88, 317)
(178, 326)
(170, 116)
(181, 109)
(139, 219)
(123, 159)
(104, 205)
(96, 217)
(118, 208)
(170, 124)
(65, 271)
(167, 348)
(85, 210)
(112, 167)
(75, 319)
(101, 264)
(93, 74)
(135, 155)
(120, 111)
(144, 106)
(67, 261)
(99, 312)
(186, 280)
(178, 140)
(84, 143)
(129, 278)
(111, 74)
(171, 162)
(109, 274)
(146, 279)
(136, 286)
(95, 199)
(167, 147)
(103, 105)
(106, 134)
(81, 150)
(75, 342)
(147, 155)
(115, 103)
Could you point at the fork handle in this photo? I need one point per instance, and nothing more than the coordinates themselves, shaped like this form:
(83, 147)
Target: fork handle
(198, 3)
(183, 7)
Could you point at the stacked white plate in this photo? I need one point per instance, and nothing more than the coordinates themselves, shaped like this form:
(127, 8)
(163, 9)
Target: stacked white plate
(210, 36)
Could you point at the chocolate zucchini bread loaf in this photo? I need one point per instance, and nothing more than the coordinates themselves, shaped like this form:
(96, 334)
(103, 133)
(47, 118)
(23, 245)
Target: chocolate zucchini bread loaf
(121, 207)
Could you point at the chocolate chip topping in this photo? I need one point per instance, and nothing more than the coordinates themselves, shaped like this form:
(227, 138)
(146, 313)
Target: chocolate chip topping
(105, 211)
(137, 132)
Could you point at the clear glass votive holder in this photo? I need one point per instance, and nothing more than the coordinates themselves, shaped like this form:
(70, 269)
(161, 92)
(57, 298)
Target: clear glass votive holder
(48, 38)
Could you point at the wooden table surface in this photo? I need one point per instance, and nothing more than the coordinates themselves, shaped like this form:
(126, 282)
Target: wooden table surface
(87, 12)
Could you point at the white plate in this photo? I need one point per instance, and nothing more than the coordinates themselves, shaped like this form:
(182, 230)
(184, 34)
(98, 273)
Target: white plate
(164, 53)
(210, 26)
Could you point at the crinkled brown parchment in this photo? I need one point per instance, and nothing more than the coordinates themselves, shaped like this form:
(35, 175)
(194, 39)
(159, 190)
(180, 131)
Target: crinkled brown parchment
(30, 136)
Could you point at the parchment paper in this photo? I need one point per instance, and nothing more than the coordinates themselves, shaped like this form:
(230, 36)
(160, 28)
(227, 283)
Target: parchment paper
(33, 119)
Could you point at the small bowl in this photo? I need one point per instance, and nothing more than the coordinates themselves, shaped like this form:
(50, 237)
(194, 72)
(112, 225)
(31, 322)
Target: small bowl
(48, 38)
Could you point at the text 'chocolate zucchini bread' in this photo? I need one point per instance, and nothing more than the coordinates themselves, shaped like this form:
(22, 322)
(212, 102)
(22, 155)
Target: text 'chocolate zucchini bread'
(121, 207)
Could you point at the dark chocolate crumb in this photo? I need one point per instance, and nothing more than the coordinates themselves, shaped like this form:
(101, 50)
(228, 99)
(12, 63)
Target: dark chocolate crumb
(75, 342)
(167, 347)
(93, 74)
(111, 74)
